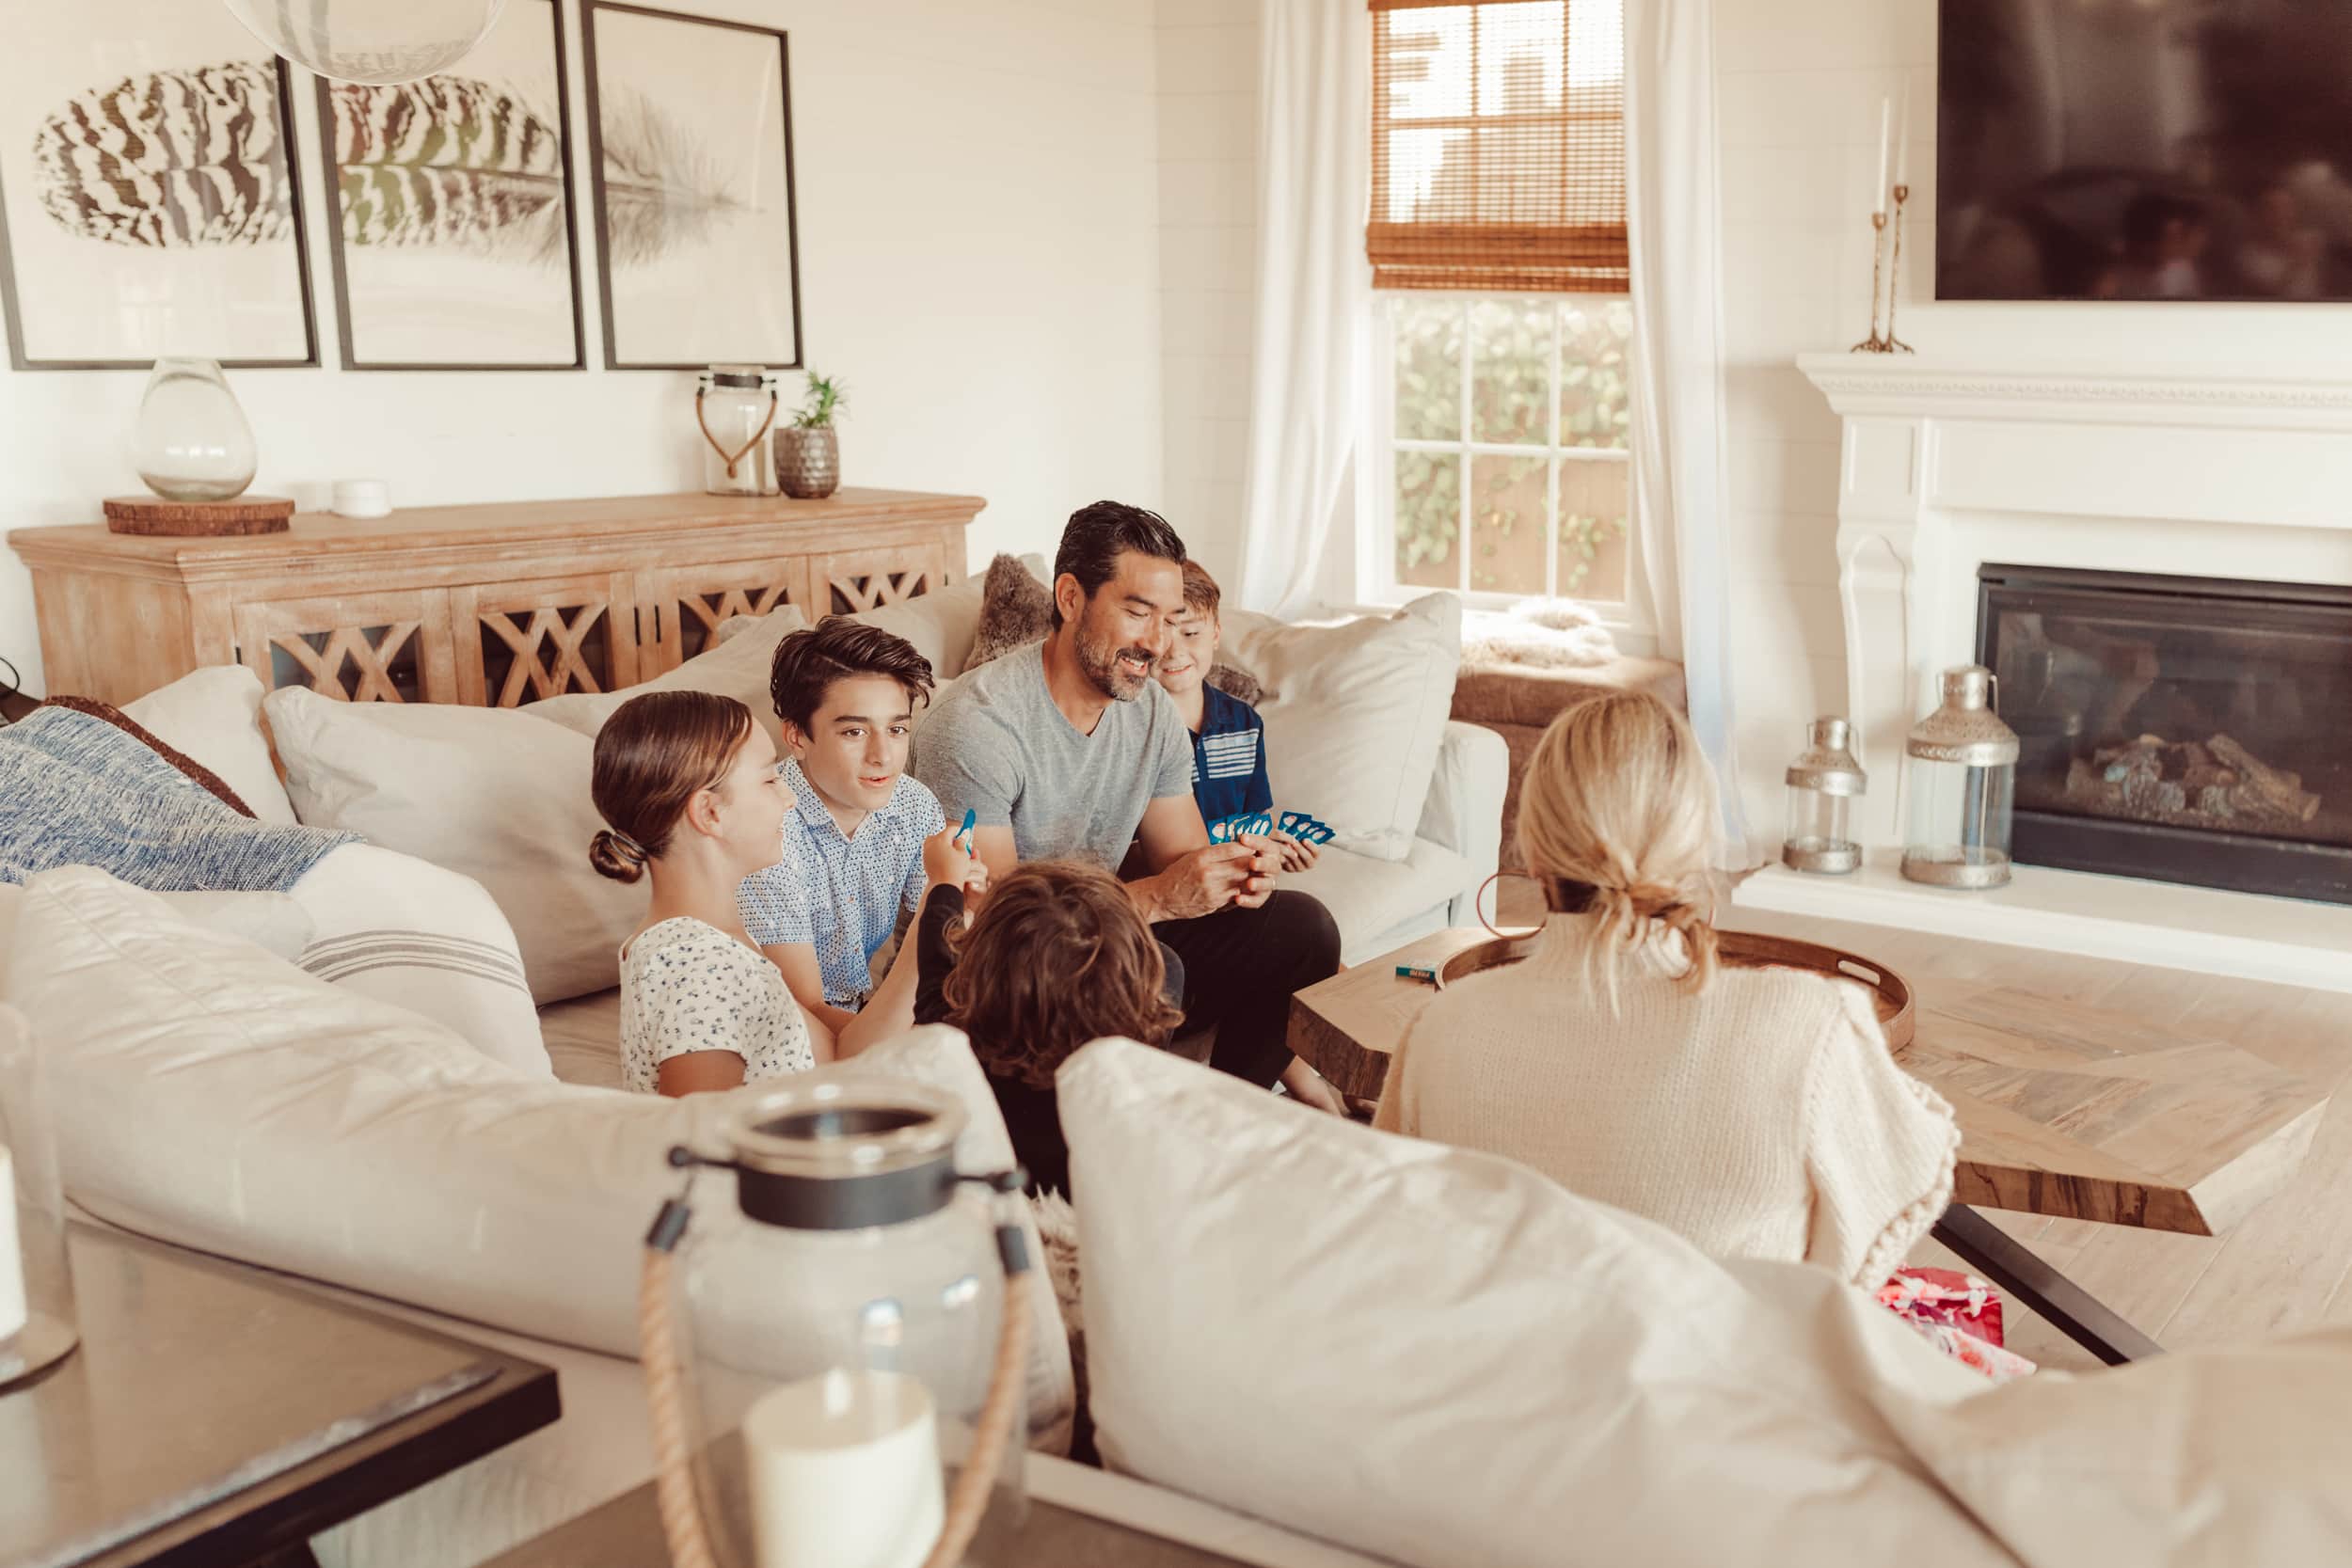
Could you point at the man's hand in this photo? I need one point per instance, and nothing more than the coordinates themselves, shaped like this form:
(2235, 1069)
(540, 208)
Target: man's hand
(1298, 854)
(1205, 881)
(1266, 858)
(1311, 1089)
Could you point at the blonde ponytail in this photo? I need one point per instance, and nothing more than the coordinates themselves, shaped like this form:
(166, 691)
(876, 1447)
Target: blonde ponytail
(1617, 819)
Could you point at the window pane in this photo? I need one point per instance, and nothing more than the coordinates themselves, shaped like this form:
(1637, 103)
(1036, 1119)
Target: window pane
(1507, 525)
(1592, 512)
(1595, 336)
(1520, 58)
(1428, 518)
(1511, 370)
(1429, 369)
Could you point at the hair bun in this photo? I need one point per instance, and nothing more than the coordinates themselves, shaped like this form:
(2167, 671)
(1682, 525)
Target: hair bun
(616, 855)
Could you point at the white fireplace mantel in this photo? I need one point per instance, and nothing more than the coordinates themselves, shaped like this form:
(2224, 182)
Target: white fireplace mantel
(1947, 466)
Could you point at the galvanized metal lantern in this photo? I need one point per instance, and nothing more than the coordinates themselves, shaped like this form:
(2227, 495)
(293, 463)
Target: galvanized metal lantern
(1963, 782)
(1823, 783)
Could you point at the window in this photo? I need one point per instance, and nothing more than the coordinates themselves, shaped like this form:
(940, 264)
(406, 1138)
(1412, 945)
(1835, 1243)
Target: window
(1498, 241)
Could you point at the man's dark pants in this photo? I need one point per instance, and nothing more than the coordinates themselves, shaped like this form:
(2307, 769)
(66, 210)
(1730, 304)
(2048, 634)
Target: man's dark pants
(1237, 969)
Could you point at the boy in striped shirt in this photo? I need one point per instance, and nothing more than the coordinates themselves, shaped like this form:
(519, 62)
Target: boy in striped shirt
(1228, 773)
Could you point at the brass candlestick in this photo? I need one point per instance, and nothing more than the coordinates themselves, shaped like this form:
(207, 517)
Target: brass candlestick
(1875, 343)
(1894, 272)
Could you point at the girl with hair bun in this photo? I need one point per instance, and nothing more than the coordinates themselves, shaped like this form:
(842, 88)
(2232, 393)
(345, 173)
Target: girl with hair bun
(1757, 1112)
(687, 786)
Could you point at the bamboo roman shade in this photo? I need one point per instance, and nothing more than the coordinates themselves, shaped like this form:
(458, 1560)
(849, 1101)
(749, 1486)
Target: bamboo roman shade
(1497, 145)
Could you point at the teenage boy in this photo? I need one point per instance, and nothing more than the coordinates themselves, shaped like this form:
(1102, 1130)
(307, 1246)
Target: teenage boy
(1228, 773)
(1070, 748)
(854, 835)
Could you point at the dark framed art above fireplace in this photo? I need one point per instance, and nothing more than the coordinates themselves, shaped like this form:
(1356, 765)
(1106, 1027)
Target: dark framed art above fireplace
(2193, 730)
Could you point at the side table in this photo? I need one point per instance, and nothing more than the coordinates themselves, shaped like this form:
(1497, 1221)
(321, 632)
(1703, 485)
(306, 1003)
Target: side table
(214, 1416)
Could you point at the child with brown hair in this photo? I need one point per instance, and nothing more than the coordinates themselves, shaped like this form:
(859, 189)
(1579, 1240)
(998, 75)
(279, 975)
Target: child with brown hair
(1229, 771)
(1056, 957)
(688, 784)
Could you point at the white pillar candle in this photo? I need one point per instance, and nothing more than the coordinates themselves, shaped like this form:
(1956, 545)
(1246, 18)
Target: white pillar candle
(12, 1310)
(844, 1472)
(1878, 201)
(1902, 141)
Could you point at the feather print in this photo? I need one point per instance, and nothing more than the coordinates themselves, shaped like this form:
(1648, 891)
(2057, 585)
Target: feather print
(450, 161)
(171, 159)
(660, 188)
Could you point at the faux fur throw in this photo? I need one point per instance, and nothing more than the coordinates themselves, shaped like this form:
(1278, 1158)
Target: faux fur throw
(80, 785)
(1557, 634)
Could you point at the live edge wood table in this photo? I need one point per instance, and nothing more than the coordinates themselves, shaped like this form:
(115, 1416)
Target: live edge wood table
(491, 606)
(2114, 1114)
(214, 1418)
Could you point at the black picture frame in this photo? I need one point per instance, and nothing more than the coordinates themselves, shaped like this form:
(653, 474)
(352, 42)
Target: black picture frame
(588, 10)
(11, 300)
(338, 268)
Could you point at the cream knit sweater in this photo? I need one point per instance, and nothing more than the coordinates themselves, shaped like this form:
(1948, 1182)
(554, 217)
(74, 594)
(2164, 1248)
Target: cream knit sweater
(1763, 1118)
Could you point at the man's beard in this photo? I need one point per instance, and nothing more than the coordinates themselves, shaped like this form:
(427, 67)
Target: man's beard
(1099, 662)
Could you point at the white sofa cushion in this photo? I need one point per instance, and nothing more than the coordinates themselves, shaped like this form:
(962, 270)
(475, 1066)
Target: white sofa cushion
(490, 793)
(214, 715)
(1354, 715)
(425, 938)
(1443, 1358)
(1372, 899)
(211, 1095)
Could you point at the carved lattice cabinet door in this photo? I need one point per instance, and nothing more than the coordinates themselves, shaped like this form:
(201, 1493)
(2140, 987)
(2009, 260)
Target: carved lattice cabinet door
(851, 580)
(374, 648)
(519, 642)
(679, 608)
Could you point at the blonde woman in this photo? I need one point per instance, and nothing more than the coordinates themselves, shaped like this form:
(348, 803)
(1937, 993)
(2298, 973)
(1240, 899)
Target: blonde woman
(1754, 1111)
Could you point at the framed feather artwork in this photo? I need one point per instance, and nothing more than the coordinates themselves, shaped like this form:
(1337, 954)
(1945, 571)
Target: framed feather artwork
(689, 148)
(149, 203)
(453, 244)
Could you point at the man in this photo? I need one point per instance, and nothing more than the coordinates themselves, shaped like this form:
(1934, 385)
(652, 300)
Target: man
(1070, 749)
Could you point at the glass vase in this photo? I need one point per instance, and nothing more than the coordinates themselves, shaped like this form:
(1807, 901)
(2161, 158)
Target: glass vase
(192, 442)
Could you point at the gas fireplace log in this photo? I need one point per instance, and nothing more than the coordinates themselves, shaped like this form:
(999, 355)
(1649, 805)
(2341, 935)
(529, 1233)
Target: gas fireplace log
(2281, 793)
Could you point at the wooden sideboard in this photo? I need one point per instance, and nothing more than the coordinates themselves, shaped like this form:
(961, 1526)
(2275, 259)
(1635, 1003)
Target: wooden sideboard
(493, 606)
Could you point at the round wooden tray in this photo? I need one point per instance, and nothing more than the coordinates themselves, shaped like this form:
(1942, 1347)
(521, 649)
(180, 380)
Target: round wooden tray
(154, 515)
(1890, 993)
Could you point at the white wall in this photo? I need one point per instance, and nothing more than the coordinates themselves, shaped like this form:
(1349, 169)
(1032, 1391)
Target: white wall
(1798, 89)
(1208, 106)
(980, 251)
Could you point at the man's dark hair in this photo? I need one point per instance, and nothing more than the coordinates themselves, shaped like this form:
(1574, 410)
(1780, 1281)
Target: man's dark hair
(1096, 534)
(837, 648)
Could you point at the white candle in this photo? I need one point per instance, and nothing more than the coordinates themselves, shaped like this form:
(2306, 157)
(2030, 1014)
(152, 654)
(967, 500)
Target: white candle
(1886, 110)
(12, 1311)
(1902, 141)
(844, 1472)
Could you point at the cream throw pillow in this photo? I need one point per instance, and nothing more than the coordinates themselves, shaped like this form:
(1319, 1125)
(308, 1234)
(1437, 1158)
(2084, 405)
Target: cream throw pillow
(208, 1094)
(214, 715)
(492, 794)
(1355, 714)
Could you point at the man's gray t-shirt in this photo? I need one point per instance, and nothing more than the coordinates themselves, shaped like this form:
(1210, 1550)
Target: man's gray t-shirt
(997, 744)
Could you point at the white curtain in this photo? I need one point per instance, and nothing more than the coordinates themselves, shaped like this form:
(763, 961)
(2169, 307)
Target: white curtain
(1313, 291)
(1674, 211)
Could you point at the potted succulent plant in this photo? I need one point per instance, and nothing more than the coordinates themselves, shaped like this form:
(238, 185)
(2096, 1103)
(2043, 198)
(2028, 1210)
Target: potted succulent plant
(808, 454)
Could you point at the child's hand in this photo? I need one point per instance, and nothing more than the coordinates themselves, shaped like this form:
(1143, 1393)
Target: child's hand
(947, 863)
(1298, 854)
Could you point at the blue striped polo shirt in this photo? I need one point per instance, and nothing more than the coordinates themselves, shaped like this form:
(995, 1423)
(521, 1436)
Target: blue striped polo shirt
(1229, 758)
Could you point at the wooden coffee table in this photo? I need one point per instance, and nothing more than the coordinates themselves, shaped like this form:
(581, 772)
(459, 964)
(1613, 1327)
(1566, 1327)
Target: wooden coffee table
(2068, 1110)
(216, 1416)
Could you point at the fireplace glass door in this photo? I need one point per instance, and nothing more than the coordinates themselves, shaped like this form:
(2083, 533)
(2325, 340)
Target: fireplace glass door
(2188, 729)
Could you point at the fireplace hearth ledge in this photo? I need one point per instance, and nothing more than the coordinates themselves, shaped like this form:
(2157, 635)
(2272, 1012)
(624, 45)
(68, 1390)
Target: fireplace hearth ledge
(2243, 935)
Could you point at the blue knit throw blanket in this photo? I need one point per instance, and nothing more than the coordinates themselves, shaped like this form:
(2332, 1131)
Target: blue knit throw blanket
(76, 790)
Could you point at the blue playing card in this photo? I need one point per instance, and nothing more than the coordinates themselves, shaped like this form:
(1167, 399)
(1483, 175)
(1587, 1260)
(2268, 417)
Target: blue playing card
(1221, 831)
(963, 834)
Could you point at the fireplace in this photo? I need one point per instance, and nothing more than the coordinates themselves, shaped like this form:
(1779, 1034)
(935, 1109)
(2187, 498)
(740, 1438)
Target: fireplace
(2192, 730)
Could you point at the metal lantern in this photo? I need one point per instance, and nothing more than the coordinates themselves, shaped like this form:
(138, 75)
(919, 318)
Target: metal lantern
(836, 1352)
(1823, 783)
(1963, 782)
(36, 1323)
